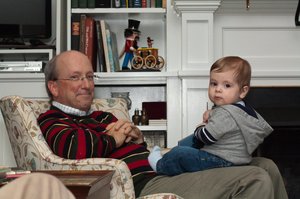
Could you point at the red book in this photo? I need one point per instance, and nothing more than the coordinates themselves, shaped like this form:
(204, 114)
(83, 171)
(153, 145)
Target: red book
(155, 110)
(90, 41)
(82, 33)
(144, 3)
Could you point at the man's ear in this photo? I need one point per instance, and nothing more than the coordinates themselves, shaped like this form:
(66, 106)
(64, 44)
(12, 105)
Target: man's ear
(52, 86)
(244, 91)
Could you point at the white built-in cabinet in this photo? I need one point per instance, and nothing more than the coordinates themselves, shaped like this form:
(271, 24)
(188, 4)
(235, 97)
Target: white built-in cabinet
(191, 35)
(142, 86)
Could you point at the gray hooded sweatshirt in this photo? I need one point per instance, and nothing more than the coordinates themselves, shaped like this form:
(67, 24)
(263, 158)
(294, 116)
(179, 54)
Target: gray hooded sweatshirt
(237, 133)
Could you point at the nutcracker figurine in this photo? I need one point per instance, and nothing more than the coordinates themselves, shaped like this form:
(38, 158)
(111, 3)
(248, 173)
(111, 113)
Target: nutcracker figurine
(132, 37)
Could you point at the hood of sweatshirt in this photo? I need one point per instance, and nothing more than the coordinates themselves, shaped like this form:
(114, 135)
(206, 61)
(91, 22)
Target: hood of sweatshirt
(254, 130)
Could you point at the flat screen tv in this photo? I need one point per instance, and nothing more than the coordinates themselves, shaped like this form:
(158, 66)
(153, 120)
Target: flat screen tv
(25, 19)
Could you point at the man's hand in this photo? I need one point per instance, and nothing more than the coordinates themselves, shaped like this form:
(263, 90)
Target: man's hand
(128, 130)
(134, 134)
(131, 131)
(117, 134)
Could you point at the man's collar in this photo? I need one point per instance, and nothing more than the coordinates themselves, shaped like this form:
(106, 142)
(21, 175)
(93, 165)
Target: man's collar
(71, 110)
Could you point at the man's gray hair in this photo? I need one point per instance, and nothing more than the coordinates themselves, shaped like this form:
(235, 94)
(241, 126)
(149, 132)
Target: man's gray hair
(50, 74)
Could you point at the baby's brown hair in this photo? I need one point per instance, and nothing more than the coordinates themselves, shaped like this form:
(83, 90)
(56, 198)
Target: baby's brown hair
(241, 67)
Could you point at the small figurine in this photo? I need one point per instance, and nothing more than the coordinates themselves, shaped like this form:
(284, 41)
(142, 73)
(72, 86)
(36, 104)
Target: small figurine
(149, 42)
(132, 37)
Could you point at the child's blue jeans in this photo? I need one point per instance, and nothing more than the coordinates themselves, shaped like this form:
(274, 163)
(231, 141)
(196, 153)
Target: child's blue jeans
(188, 159)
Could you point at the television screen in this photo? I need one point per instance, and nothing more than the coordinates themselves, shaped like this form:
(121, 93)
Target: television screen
(25, 19)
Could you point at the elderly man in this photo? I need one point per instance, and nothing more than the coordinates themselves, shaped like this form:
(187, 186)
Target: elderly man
(75, 131)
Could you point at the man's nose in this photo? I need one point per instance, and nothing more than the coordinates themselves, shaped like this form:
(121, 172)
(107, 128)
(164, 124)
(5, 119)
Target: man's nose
(85, 82)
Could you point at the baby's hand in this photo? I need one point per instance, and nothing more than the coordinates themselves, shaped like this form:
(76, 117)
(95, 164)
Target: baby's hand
(206, 116)
(200, 125)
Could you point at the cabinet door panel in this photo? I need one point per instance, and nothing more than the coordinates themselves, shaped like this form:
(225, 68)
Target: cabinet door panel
(195, 101)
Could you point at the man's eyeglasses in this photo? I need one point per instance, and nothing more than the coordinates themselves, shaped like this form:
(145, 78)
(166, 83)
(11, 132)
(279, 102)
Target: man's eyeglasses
(75, 78)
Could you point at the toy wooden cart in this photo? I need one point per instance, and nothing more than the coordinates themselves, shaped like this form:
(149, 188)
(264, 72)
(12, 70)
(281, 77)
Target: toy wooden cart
(147, 58)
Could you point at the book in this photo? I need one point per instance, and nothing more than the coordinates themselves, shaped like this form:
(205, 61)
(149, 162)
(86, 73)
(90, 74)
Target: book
(8, 174)
(148, 3)
(82, 3)
(82, 33)
(157, 122)
(130, 3)
(152, 3)
(137, 3)
(74, 3)
(115, 52)
(158, 3)
(155, 110)
(75, 32)
(91, 3)
(110, 53)
(103, 3)
(105, 26)
(100, 51)
(164, 3)
(124, 3)
(90, 46)
(144, 3)
(117, 3)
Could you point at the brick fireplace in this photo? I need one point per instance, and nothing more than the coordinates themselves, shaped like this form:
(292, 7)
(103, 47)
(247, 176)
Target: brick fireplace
(280, 106)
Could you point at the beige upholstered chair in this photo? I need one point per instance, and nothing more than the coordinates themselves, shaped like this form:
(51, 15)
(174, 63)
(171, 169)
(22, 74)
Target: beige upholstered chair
(33, 153)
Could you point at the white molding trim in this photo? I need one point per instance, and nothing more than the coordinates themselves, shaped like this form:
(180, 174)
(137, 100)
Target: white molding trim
(258, 6)
(181, 6)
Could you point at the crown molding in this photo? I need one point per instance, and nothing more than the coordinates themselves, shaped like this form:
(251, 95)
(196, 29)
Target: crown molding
(236, 6)
(194, 6)
(258, 7)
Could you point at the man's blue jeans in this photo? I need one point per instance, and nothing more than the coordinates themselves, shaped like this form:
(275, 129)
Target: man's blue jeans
(188, 159)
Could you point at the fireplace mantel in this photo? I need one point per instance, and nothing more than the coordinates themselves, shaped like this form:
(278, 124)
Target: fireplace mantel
(265, 34)
(235, 6)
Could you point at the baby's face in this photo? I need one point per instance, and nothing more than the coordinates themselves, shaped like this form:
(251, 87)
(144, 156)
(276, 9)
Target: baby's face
(224, 89)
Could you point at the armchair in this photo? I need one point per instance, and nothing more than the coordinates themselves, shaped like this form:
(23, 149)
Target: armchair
(32, 152)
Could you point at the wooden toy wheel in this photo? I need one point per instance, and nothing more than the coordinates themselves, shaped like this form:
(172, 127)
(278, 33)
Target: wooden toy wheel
(137, 62)
(150, 61)
(160, 62)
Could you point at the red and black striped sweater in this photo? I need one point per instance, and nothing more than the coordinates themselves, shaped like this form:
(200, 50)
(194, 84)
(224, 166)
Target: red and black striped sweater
(78, 137)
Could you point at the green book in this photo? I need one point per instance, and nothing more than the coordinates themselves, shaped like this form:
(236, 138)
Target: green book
(158, 3)
(82, 3)
(74, 3)
(91, 3)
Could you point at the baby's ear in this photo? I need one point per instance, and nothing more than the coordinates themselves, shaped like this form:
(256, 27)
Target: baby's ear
(244, 91)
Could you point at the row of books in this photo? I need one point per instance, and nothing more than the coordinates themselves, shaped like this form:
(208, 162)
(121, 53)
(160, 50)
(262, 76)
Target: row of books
(155, 138)
(97, 41)
(8, 174)
(157, 122)
(118, 3)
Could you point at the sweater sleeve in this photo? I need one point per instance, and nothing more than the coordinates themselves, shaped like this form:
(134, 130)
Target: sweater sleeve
(78, 137)
(219, 123)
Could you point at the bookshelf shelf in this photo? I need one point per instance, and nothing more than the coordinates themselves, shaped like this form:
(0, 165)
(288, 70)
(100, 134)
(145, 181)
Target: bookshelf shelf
(118, 10)
(152, 128)
(133, 78)
(49, 52)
